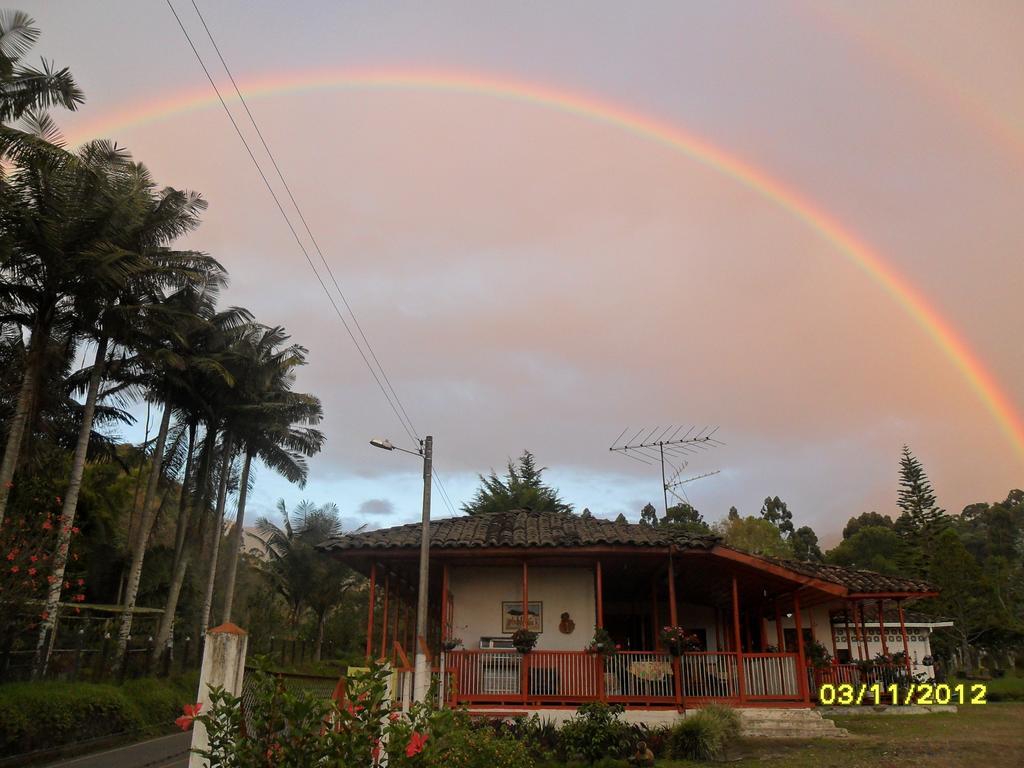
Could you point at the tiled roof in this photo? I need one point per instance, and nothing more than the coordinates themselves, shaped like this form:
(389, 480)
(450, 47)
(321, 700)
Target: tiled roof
(529, 529)
(856, 579)
(520, 528)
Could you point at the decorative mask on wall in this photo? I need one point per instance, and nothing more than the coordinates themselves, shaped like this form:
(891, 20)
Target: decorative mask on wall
(566, 625)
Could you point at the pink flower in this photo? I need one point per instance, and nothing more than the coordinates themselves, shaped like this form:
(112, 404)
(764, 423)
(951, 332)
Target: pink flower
(185, 721)
(76, 530)
(15, 569)
(32, 571)
(416, 742)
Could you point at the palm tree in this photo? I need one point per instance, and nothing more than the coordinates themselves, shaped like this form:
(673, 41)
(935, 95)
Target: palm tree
(25, 89)
(144, 223)
(57, 222)
(276, 425)
(304, 576)
(171, 359)
(204, 398)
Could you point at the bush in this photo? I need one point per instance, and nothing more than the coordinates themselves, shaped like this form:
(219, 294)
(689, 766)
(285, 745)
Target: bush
(596, 732)
(296, 730)
(36, 716)
(704, 735)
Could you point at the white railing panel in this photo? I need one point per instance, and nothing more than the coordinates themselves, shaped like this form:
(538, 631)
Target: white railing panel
(638, 675)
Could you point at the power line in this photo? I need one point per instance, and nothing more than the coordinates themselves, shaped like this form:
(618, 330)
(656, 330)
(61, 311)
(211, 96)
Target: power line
(399, 411)
(302, 218)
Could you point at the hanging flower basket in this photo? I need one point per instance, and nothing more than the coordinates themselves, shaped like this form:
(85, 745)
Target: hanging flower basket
(677, 640)
(523, 640)
(602, 643)
(451, 643)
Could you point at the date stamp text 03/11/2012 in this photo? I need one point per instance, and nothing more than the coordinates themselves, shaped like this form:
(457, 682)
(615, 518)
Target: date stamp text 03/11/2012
(922, 694)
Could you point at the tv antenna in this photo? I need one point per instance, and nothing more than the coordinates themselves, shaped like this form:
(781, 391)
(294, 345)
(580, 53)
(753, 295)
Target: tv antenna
(658, 443)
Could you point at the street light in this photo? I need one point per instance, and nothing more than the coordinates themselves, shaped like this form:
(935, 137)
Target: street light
(421, 677)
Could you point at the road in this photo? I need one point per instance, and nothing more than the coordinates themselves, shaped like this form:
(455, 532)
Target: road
(163, 752)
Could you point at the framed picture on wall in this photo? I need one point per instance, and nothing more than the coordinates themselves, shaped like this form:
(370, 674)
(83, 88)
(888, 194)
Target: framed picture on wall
(512, 616)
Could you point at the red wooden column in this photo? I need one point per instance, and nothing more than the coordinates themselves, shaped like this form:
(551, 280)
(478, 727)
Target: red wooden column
(600, 595)
(903, 631)
(881, 629)
(832, 630)
(849, 635)
(780, 635)
(673, 618)
(445, 608)
(654, 614)
(369, 617)
(800, 658)
(736, 637)
(524, 683)
(863, 630)
(384, 626)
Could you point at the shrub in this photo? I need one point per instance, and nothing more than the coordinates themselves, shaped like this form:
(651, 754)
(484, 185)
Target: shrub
(36, 716)
(703, 735)
(596, 732)
(295, 730)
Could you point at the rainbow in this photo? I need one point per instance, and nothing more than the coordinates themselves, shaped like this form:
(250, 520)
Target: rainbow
(856, 251)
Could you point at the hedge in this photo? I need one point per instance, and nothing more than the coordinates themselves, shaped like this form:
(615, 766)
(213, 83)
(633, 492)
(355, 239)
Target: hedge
(38, 716)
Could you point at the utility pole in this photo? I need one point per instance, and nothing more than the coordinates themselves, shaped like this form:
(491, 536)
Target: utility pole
(422, 665)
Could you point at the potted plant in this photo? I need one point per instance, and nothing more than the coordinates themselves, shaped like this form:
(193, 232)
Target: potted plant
(451, 643)
(677, 640)
(818, 655)
(524, 640)
(602, 643)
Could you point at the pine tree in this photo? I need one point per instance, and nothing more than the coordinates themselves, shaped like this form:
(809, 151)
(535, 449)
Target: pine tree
(521, 488)
(922, 520)
(649, 515)
(916, 497)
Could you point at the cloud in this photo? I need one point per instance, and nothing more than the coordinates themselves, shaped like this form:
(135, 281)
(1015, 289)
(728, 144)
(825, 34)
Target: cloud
(376, 507)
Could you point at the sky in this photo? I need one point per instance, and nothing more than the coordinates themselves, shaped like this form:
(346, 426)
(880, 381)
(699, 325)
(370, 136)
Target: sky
(532, 277)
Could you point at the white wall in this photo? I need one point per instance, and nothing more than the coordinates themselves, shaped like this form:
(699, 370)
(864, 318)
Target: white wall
(699, 617)
(918, 637)
(477, 594)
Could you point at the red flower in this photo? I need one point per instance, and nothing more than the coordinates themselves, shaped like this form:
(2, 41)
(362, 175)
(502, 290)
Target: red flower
(47, 526)
(33, 558)
(76, 530)
(11, 554)
(14, 569)
(81, 582)
(185, 721)
(375, 752)
(416, 742)
(44, 615)
(32, 571)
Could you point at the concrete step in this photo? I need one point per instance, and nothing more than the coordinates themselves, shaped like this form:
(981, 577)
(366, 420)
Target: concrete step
(788, 724)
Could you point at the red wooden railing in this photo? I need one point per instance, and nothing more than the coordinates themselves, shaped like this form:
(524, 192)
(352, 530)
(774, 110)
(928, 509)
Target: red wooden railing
(639, 677)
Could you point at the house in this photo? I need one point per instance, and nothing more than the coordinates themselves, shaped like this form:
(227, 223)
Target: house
(752, 619)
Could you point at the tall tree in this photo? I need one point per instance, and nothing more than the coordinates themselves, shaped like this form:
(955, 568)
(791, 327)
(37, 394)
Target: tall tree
(24, 88)
(521, 488)
(304, 576)
(776, 511)
(753, 534)
(805, 544)
(922, 520)
(864, 520)
(143, 224)
(273, 423)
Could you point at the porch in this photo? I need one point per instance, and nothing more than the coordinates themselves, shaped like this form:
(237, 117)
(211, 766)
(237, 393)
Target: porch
(754, 619)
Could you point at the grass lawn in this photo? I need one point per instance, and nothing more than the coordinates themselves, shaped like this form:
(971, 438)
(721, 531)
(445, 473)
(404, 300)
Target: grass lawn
(989, 735)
